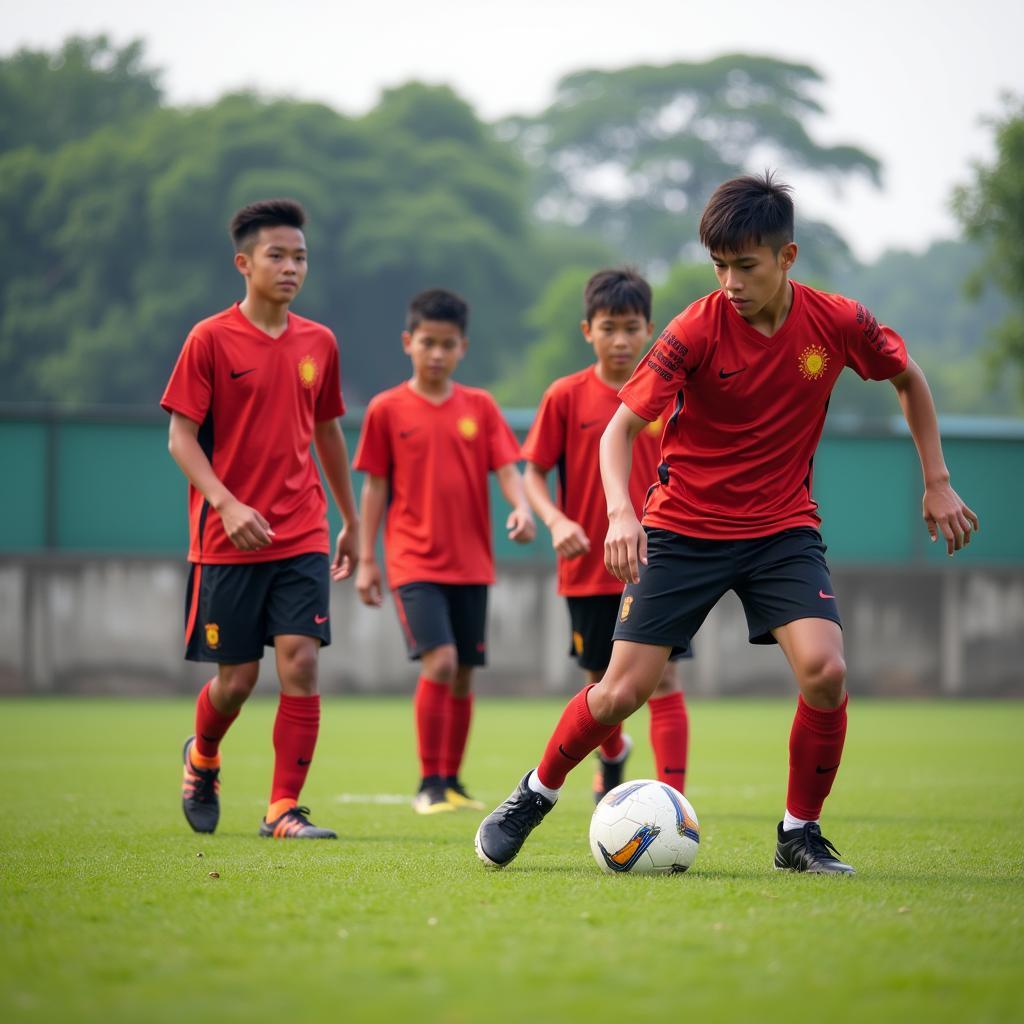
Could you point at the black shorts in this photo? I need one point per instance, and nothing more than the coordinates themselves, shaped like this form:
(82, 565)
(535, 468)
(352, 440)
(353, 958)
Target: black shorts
(233, 611)
(434, 614)
(592, 625)
(778, 579)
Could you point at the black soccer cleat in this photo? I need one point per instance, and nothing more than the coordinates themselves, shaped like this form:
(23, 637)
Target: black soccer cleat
(806, 849)
(611, 773)
(432, 797)
(294, 824)
(455, 793)
(502, 833)
(200, 789)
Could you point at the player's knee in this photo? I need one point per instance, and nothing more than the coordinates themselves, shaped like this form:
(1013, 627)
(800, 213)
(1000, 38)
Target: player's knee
(824, 680)
(299, 667)
(670, 682)
(441, 665)
(237, 683)
(611, 703)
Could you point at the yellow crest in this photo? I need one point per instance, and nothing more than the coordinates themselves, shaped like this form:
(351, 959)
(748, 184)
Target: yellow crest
(627, 607)
(212, 635)
(308, 371)
(655, 427)
(467, 427)
(577, 642)
(813, 362)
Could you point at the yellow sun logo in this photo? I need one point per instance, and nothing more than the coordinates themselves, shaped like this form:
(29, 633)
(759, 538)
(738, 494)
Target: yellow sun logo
(655, 427)
(813, 362)
(212, 635)
(308, 371)
(627, 607)
(467, 427)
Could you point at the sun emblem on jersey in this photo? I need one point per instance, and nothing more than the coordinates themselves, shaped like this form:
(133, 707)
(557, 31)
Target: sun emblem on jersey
(308, 371)
(627, 607)
(813, 362)
(467, 427)
(655, 427)
(577, 642)
(212, 635)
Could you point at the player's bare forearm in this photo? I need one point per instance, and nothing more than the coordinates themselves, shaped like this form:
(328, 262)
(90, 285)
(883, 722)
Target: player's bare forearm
(625, 547)
(568, 538)
(373, 503)
(942, 508)
(332, 452)
(520, 525)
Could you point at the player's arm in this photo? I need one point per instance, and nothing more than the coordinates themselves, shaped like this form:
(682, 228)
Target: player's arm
(568, 538)
(625, 546)
(373, 503)
(520, 525)
(943, 509)
(245, 527)
(332, 452)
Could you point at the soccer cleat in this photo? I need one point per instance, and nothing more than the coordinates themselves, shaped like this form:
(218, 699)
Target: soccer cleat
(455, 793)
(200, 788)
(806, 849)
(432, 797)
(611, 773)
(502, 833)
(294, 824)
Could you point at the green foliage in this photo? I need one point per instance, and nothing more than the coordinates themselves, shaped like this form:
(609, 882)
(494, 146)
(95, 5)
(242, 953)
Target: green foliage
(992, 211)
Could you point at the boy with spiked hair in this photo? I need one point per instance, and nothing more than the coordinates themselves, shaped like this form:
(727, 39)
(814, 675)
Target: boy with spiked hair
(253, 386)
(427, 447)
(572, 416)
(750, 368)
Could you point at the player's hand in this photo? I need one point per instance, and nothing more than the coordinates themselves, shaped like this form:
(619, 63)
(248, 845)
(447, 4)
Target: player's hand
(345, 552)
(520, 525)
(625, 547)
(245, 527)
(369, 584)
(944, 512)
(569, 539)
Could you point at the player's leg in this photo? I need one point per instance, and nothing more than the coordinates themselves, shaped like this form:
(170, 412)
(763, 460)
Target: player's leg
(297, 624)
(670, 727)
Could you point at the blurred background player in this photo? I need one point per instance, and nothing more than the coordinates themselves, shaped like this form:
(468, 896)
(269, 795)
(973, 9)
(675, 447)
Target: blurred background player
(253, 386)
(427, 447)
(751, 367)
(566, 434)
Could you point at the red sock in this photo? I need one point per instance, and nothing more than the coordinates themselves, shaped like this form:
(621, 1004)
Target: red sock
(210, 725)
(577, 734)
(295, 731)
(815, 750)
(430, 706)
(612, 747)
(458, 715)
(670, 738)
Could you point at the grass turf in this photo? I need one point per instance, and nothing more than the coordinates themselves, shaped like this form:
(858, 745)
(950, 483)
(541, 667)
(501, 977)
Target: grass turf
(110, 911)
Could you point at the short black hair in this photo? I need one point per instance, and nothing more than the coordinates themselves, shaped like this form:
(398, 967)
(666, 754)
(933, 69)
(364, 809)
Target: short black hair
(437, 304)
(750, 210)
(617, 291)
(267, 213)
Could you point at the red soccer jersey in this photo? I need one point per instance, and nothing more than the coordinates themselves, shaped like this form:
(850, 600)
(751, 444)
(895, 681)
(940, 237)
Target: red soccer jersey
(740, 449)
(436, 459)
(257, 399)
(567, 433)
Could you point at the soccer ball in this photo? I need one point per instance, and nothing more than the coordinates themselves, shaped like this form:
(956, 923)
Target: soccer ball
(644, 827)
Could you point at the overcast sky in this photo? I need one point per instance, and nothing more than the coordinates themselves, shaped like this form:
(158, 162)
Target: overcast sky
(910, 81)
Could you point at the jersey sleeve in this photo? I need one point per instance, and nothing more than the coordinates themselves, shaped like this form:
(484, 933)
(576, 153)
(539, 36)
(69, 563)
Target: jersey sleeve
(502, 446)
(875, 351)
(330, 403)
(661, 372)
(373, 453)
(545, 443)
(190, 388)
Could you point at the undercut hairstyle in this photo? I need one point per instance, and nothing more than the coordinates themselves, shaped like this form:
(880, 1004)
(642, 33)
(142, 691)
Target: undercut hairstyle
(437, 304)
(750, 210)
(618, 291)
(267, 213)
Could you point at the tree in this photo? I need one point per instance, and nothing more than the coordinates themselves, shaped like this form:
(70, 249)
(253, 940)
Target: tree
(992, 211)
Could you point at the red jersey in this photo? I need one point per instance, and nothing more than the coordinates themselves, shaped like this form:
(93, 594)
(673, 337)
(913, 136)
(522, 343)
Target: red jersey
(749, 409)
(567, 433)
(256, 399)
(436, 459)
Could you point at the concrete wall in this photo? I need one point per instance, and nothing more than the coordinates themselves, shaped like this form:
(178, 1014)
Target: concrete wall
(80, 625)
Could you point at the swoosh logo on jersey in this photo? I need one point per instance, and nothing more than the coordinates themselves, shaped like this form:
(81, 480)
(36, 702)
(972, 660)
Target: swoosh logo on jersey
(829, 597)
(319, 619)
(235, 374)
(407, 433)
(731, 373)
(587, 424)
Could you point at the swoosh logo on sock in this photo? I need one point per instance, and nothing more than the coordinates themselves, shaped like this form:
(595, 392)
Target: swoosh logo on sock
(303, 763)
(825, 771)
(565, 753)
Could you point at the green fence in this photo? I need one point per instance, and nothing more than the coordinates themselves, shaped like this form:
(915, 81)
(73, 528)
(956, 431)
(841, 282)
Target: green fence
(102, 482)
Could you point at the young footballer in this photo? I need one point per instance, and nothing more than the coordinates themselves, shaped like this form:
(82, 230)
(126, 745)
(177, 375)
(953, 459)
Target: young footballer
(572, 416)
(750, 368)
(253, 386)
(427, 448)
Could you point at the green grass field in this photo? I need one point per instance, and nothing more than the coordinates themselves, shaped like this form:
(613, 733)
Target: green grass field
(110, 911)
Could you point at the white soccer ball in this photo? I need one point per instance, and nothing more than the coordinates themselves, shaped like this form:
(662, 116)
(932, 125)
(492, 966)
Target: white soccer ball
(644, 827)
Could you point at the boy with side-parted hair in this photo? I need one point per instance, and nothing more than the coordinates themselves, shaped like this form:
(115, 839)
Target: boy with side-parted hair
(565, 434)
(253, 386)
(427, 447)
(750, 367)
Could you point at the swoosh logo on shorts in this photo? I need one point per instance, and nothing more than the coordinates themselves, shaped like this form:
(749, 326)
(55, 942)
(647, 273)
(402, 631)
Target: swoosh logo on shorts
(830, 597)
(320, 619)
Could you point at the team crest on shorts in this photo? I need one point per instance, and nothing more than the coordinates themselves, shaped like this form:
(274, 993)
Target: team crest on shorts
(577, 642)
(813, 362)
(627, 607)
(212, 635)
(308, 371)
(467, 427)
